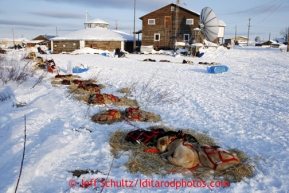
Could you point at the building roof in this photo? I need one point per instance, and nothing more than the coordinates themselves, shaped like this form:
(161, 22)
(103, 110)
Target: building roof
(222, 23)
(34, 41)
(16, 39)
(172, 5)
(232, 38)
(96, 21)
(97, 33)
(124, 35)
(280, 40)
(48, 36)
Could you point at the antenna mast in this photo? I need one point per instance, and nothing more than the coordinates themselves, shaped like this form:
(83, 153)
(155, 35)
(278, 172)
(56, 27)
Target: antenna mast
(116, 24)
(13, 37)
(248, 31)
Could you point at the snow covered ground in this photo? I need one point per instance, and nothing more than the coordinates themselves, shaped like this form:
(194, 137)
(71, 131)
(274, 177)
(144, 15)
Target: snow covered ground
(245, 108)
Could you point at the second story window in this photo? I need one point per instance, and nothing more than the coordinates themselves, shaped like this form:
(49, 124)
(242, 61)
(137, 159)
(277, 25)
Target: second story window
(151, 21)
(190, 21)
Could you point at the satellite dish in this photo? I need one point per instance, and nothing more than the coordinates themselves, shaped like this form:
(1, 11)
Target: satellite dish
(209, 24)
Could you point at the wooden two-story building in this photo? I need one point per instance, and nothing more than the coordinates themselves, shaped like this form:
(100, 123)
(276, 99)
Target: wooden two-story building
(169, 24)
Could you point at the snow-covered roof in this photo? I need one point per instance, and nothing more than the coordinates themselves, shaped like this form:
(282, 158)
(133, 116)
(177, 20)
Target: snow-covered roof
(16, 39)
(48, 36)
(222, 23)
(280, 40)
(34, 41)
(97, 33)
(124, 35)
(96, 21)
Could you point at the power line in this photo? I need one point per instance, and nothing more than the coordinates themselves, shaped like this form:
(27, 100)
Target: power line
(272, 11)
(257, 13)
(246, 9)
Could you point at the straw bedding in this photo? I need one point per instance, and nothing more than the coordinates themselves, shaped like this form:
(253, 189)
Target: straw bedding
(151, 163)
(145, 117)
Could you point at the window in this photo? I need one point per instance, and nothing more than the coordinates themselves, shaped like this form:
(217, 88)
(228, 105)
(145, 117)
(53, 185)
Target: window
(157, 37)
(186, 37)
(151, 21)
(167, 21)
(190, 21)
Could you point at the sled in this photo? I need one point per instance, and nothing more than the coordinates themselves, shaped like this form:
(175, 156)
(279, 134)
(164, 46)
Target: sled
(217, 69)
(79, 70)
(201, 54)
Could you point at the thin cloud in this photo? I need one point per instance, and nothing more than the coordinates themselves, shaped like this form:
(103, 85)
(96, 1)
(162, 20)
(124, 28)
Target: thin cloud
(144, 5)
(58, 15)
(23, 23)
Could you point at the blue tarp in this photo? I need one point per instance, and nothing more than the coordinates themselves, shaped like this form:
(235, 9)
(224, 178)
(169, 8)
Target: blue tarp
(79, 70)
(217, 69)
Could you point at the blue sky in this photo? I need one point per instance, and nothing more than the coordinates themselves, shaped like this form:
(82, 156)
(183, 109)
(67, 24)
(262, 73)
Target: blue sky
(30, 18)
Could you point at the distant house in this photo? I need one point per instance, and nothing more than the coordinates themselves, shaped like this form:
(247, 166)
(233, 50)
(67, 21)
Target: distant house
(281, 40)
(95, 35)
(239, 39)
(40, 40)
(271, 43)
(10, 42)
(162, 27)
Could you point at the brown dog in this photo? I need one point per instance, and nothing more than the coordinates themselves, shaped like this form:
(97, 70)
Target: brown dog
(179, 153)
(216, 158)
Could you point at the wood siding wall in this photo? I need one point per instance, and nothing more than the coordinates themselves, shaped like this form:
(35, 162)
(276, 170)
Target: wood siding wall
(47, 42)
(103, 45)
(71, 45)
(65, 46)
(165, 25)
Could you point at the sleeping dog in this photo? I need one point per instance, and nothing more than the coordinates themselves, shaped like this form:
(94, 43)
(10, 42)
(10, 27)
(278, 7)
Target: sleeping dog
(216, 158)
(184, 150)
(178, 153)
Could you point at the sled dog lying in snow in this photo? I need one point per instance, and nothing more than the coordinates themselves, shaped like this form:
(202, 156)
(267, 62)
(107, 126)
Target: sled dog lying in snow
(189, 154)
(179, 153)
(216, 158)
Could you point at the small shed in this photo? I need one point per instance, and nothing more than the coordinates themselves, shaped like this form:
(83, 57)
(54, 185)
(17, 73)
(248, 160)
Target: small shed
(42, 40)
(239, 39)
(221, 34)
(271, 43)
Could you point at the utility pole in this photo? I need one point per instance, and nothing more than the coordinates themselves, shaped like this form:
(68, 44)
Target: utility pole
(235, 35)
(13, 36)
(287, 40)
(116, 25)
(56, 31)
(248, 32)
(269, 39)
(134, 43)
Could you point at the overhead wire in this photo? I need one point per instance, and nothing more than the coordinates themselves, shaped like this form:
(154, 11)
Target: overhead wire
(244, 11)
(263, 9)
(272, 12)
